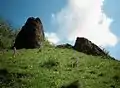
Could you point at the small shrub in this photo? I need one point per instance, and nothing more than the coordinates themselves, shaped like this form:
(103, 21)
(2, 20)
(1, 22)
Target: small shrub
(3, 71)
(73, 64)
(9, 79)
(116, 77)
(46, 43)
(105, 51)
(7, 35)
(100, 74)
(50, 63)
(92, 72)
(112, 86)
(105, 82)
(74, 84)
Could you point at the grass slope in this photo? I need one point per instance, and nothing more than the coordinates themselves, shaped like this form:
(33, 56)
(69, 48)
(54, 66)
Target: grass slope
(54, 67)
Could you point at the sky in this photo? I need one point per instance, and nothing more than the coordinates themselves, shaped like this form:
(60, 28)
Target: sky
(64, 20)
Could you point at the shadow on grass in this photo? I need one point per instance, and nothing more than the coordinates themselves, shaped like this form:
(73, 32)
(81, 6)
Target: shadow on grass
(12, 80)
(74, 84)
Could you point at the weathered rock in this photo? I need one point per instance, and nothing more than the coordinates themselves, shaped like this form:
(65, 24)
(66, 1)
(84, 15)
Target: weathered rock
(84, 45)
(31, 35)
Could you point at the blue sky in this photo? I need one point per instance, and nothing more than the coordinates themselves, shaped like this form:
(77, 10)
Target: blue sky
(111, 8)
(64, 20)
(17, 11)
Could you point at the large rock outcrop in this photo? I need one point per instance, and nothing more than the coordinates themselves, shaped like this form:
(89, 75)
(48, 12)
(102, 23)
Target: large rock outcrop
(84, 45)
(31, 35)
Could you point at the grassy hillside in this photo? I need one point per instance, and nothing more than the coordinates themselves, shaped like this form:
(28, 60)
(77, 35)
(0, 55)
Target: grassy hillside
(57, 68)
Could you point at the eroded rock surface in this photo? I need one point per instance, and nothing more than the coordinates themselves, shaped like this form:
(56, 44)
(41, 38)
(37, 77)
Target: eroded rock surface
(84, 45)
(31, 35)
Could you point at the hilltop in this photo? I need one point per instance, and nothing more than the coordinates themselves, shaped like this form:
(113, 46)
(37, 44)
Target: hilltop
(35, 63)
(52, 67)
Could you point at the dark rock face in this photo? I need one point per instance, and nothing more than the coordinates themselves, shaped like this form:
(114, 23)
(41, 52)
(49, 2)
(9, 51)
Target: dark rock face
(86, 46)
(31, 34)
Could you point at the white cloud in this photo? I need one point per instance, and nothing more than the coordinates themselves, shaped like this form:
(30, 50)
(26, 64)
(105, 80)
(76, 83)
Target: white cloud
(84, 18)
(53, 15)
(52, 37)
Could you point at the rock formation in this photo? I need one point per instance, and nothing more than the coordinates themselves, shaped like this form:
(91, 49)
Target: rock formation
(31, 35)
(65, 46)
(84, 45)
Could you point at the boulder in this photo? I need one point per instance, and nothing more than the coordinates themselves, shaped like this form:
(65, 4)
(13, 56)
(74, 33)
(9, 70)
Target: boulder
(84, 45)
(31, 35)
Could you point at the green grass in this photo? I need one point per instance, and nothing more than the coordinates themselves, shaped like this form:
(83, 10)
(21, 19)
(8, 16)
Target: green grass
(54, 67)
